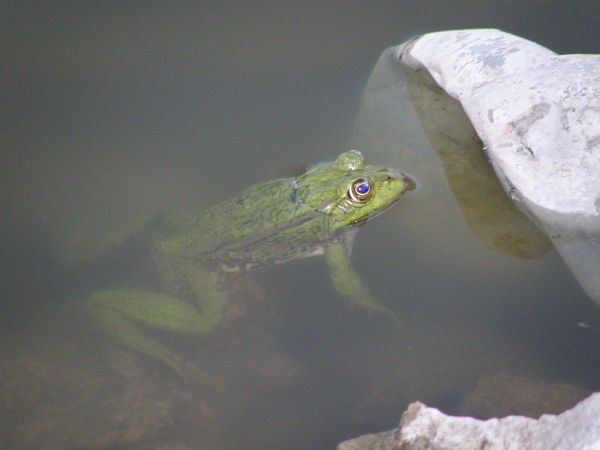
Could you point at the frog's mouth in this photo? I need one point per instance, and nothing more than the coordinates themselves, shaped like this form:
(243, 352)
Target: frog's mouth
(360, 222)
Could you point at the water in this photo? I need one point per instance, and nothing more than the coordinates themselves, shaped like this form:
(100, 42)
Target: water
(118, 110)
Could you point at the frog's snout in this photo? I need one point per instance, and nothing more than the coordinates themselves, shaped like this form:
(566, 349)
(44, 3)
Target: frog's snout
(408, 183)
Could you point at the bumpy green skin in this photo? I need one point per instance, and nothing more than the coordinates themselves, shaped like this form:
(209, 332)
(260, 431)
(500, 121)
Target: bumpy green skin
(269, 223)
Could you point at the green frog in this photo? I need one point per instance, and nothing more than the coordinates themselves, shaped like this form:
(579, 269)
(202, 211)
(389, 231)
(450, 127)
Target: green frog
(316, 213)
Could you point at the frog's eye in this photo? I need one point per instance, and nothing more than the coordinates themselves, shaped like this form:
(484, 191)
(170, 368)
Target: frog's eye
(360, 191)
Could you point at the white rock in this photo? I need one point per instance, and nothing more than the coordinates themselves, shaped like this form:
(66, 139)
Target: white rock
(424, 427)
(538, 113)
(577, 428)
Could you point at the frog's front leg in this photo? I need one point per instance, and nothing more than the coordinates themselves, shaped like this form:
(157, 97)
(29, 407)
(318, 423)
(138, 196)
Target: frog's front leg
(119, 313)
(347, 281)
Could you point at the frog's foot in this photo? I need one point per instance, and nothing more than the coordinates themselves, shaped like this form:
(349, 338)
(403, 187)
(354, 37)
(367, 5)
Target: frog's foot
(373, 306)
(194, 376)
(118, 311)
(349, 284)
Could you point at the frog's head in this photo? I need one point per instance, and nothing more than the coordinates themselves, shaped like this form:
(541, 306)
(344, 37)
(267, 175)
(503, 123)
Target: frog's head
(350, 191)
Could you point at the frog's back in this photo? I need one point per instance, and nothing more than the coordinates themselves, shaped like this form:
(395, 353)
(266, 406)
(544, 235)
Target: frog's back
(240, 224)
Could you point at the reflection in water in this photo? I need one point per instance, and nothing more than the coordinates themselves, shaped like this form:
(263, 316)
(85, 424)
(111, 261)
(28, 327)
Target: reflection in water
(119, 112)
(489, 212)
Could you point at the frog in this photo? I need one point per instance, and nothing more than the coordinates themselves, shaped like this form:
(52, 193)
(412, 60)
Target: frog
(267, 224)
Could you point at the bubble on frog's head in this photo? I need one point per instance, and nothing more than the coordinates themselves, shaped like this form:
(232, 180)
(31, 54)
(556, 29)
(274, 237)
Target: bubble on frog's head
(351, 160)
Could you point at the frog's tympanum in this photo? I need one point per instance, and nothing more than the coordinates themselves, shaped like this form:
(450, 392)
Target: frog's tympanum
(269, 223)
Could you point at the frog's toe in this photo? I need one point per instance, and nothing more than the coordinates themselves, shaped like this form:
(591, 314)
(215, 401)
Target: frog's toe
(193, 376)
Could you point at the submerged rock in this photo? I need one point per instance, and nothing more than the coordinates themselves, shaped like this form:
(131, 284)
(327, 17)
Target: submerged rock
(423, 427)
(50, 406)
(504, 394)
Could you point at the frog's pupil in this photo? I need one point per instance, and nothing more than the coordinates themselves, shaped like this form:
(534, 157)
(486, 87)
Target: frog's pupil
(362, 188)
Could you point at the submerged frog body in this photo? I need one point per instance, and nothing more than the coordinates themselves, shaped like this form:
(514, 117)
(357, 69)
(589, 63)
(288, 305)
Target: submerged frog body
(269, 223)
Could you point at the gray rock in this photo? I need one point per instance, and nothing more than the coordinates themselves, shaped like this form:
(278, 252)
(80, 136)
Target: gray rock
(423, 427)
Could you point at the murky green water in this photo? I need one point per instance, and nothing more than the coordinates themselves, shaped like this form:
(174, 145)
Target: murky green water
(114, 111)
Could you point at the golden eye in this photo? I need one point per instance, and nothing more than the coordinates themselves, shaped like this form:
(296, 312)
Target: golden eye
(361, 191)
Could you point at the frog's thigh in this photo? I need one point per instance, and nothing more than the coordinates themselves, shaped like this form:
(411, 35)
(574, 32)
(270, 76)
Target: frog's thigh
(111, 308)
(117, 311)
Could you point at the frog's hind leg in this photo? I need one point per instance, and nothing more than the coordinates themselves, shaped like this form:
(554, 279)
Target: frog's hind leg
(117, 312)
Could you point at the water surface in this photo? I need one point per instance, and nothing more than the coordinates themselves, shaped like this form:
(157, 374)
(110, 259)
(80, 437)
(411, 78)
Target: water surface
(114, 111)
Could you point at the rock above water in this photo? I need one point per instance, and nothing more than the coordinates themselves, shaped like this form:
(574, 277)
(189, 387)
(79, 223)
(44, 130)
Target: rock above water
(536, 110)
(538, 114)
(423, 427)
